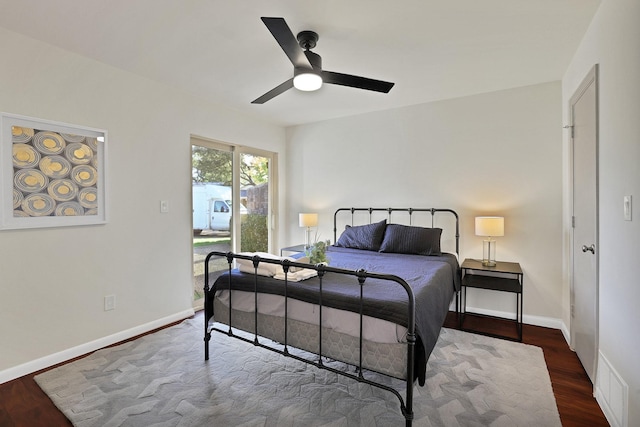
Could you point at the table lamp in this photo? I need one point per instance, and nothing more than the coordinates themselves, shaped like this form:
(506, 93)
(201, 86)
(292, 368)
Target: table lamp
(489, 226)
(308, 220)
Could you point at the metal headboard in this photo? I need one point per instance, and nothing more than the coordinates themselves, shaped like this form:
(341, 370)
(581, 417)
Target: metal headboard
(408, 211)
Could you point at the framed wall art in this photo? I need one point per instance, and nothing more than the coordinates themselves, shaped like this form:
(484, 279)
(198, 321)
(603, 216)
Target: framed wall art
(51, 174)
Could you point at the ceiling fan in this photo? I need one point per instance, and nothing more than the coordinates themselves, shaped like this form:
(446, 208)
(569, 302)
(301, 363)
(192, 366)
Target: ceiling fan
(308, 74)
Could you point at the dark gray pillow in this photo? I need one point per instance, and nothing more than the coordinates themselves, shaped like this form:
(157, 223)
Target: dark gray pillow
(366, 237)
(405, 239)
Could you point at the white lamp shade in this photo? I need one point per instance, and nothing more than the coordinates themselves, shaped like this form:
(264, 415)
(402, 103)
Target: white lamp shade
(307, 81)
(491, 226)
(308, 219)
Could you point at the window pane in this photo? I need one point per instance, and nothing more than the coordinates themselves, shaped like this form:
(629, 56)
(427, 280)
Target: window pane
(221, 175)
(212, 214)
(254, 198)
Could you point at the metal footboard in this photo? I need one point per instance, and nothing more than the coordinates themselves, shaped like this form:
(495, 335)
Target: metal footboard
(360, 279)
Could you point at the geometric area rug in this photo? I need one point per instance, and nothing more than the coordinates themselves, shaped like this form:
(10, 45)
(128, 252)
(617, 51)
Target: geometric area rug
(162, 380)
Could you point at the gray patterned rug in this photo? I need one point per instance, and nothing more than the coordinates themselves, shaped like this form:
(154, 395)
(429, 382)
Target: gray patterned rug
(162, 380)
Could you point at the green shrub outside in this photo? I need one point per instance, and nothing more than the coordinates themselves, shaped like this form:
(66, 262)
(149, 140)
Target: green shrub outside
(254, 234)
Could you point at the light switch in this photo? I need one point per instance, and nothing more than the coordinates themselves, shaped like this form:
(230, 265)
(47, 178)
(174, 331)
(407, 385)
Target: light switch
(627, 208)
(164, 206)
(109, 302)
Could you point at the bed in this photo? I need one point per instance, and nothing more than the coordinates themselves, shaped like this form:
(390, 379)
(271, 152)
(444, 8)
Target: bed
(379, 305)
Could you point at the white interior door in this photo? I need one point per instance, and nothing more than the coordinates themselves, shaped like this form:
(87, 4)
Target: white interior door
(584, 309)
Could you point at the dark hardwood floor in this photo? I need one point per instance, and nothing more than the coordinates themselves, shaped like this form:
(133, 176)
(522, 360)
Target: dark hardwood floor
(24, 404)
(571, 385)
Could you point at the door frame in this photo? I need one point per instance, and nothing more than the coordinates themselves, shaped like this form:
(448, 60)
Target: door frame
(236, 151)
(589, 79)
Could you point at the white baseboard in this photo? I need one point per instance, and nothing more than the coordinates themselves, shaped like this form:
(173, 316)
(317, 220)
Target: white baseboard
(566, 334)
(68, 354)
(545, 322)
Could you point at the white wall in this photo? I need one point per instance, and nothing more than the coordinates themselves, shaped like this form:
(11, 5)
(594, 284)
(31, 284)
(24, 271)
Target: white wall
(613, 41)
(53, 281)
(496, 153)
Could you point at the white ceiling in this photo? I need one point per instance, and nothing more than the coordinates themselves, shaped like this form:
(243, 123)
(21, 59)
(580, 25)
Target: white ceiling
(221, 51)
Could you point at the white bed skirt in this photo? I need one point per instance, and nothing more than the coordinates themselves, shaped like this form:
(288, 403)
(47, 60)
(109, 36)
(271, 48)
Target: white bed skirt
(389, 358)
(345, 322)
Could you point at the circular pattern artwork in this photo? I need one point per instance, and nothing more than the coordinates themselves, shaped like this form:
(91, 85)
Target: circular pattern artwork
(92, 142)
(30, 180)
(72, 138)
(38, 204)
(78, 153)
(17, 198)
(84, 175)
(48, 142)
(63, 190)
(24, 156)
(55, 166)
(54, 174)
(69, 209)
(21, 135)
(88, 198)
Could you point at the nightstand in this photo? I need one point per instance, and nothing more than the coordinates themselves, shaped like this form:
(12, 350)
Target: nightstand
(475, 275)
(296, 249)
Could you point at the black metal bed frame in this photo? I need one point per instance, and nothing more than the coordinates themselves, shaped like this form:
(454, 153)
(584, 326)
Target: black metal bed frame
(406, 404)
(389, 211)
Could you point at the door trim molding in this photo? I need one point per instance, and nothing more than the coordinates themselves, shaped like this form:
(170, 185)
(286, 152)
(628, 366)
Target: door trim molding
(589, 79)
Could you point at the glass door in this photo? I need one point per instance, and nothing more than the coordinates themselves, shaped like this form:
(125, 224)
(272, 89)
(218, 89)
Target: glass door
(212, 180)
(255, 206)
(231, 204)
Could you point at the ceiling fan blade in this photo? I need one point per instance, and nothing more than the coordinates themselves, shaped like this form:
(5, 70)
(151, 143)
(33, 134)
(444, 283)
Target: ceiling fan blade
(287, 41)
(356, 81)
(274, 92)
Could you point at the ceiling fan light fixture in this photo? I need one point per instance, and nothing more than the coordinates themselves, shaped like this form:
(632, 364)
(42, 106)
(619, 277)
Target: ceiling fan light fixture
(308, 74)
(307, 80)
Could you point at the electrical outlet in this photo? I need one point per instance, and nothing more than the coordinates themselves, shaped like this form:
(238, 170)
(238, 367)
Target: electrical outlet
(164, 206)
(109, 302)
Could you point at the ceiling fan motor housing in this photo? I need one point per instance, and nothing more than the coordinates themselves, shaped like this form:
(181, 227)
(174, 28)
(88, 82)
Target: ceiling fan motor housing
(307, 39)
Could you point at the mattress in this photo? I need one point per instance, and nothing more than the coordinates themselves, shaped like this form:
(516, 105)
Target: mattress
(433, 281)
(341, 321)
(385, 358)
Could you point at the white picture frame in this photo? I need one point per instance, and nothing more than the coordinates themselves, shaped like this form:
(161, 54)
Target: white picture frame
(52, 174)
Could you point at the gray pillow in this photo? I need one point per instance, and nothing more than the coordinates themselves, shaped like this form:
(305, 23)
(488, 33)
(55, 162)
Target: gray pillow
(405, 239)
(368, 237)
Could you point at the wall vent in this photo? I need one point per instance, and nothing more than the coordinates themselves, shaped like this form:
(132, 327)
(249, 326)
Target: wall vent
(612, 393)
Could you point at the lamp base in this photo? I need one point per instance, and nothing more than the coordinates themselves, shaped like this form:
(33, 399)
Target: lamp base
(307, 243)
(489, 252)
